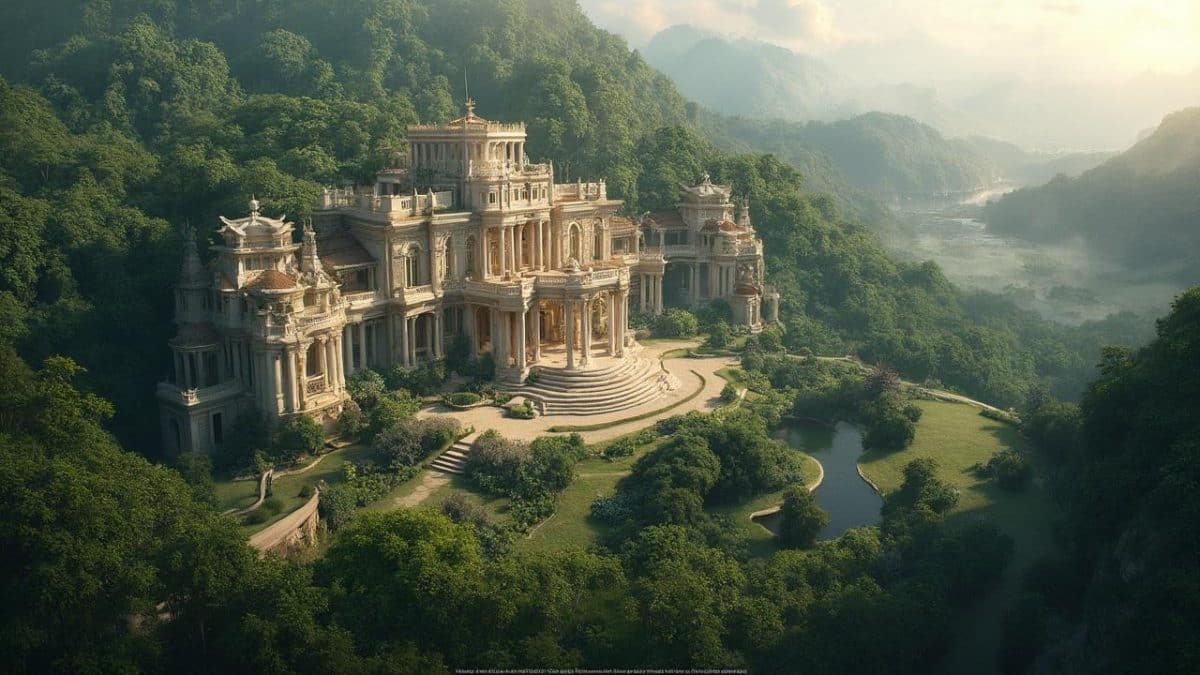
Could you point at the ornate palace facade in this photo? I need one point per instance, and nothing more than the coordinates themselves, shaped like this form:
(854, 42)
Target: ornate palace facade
(464, 237)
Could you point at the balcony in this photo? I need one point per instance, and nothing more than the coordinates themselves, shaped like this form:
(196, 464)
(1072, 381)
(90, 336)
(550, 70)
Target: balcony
(171, 393)
(411, 205)
(411, 295)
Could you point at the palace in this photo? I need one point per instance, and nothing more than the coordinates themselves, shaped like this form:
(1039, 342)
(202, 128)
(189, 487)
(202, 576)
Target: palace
(463, 237)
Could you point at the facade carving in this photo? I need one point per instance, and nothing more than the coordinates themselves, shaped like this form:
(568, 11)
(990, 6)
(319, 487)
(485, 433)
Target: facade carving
(464, 236)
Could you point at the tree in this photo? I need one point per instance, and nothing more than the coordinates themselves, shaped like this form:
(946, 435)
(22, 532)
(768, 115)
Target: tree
(802, 520)
(297, 437)
(676, 323)
(196, 469)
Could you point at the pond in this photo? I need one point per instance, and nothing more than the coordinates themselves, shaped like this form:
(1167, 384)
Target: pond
(843, 494)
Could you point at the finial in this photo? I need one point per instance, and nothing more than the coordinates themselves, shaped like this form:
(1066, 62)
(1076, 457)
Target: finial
(470, 107)
(706, 178)
(253, 207)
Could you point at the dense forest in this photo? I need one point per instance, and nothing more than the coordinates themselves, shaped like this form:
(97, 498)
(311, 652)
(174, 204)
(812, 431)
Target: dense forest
(120, 121)
(124, 121)
(1137, 209)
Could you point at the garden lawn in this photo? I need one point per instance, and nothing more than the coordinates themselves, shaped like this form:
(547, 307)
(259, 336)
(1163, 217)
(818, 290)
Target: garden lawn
(243, 493)
(958, 437)
(760, 540)
(570, 526)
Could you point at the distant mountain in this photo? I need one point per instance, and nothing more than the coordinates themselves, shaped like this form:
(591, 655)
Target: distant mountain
(883, 154)
(746, 77)
(1140, 208)
(1034, 168)
(757, 79)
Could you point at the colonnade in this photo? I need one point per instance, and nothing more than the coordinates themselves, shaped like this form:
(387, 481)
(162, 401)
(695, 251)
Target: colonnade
(437, 154)
(650, 289)
(529, 245)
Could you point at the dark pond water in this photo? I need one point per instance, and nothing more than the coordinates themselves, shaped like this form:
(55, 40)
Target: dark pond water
(844, 495)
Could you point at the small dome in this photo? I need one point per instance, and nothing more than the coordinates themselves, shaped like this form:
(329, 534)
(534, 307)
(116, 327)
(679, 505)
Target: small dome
(273, 280)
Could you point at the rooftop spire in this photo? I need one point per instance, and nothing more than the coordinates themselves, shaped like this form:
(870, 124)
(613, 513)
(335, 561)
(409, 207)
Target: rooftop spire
(192, 273)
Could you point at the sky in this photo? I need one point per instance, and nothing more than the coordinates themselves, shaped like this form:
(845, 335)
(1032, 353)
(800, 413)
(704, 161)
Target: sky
(942, 40)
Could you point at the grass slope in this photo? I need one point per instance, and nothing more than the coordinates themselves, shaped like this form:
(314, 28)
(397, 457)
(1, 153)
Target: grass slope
(958, 437)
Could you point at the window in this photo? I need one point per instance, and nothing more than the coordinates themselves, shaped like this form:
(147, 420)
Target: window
(470, 256)
(217, 432)
(311, 365)
(412, 267)
(491, 197)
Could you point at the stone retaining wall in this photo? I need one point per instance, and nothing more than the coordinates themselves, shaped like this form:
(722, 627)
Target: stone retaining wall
(294, 531)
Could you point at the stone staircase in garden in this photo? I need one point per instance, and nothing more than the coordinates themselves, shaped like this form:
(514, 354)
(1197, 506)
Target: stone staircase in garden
(622, 384)
(453, 459)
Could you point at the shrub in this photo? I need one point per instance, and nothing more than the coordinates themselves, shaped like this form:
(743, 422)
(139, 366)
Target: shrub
(438, 432)
(729, 393)
(352, 423)
(1009, 469)
(401, 443)
(623, 447)
(393, 408)
(462, 399)
(720, 336)
(501, 397)
(306, 491)
(494, 462)
(676, 323)
(521, 411)
(802, 519)
(366, 387)
(421, 381)
(613, 510)
(298, 436)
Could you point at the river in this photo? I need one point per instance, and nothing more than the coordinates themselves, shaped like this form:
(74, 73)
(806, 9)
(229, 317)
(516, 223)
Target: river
(843, 494)
(1062, 282)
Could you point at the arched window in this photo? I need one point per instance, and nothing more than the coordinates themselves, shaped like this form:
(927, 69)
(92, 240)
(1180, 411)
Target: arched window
(470, 271)
(312, 365)
(412, 266)
(576, 243)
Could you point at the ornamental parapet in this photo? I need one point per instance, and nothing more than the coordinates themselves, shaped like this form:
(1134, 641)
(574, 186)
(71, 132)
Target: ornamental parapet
(580, 192)
(391, 204)
(412, 295)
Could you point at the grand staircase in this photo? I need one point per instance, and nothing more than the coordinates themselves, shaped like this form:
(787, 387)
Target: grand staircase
(453, 459)
(621, 384)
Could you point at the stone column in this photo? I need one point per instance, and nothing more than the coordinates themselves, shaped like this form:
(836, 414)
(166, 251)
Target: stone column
(278, 371)
(537, 249)
(412, 342)
(521, 339)
(658, 295)
(587, 331)
(293, 403)
(302, 376)
(404, 340)
(612, 323)
(363, 362)
(340, 381)
(503, 251)
(439, 339)
(347, 349)
(569, 314)
(472, 329)
(537, 333)
(622, 320)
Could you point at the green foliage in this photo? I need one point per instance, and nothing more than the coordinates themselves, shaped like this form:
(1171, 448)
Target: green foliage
(719, 336)
(196, 469)
(297, 437)
(462, 399)
(622, 447)
(392, 408)
(521, 411)
(366, 387)
(1151, 184)
(729, 394)
(676, 323)
(1009, 468)
(802, 520)
(352, 423)
(423, 380)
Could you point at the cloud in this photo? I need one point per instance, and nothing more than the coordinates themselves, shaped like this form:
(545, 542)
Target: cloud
(804, 21)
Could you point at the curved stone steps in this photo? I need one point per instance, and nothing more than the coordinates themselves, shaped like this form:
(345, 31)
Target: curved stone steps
(629, 384)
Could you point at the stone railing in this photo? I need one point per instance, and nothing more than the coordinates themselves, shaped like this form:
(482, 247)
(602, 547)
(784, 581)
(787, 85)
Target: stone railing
(359, 296)
(475, 122)
(502, 289)
(314, 384)
(411, 294)
(403, 204)
(290, 532)
(579, 191)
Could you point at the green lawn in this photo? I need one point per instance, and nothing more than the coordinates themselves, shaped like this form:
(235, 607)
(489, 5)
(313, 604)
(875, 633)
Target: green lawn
(243, 493)
(570, 527)
(958, 437)
(761, 540)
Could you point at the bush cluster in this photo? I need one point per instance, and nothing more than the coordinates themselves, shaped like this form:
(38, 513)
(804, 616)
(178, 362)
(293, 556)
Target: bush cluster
(529, 475)
(461, 399)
